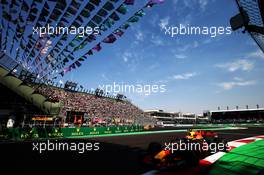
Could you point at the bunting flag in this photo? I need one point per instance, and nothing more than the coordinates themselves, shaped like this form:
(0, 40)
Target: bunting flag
(77, 63)
(90, 52)
(122, 9)
(96, 19)
(76, 23)
(118, 32)
(56, 13)
(133, 19)
(44, 12)
(81, 59)
(103, 13)
(108, 6)
(110, 39)
(67, 69)
(140, 13)
(46, 54)
(97, 47)
(25, 6)
(129, 2)
(114, 17)
(153, 2)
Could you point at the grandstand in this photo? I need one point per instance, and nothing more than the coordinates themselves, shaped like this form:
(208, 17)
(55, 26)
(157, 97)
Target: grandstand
(163, 118)
(237, 115)
(229, 116)
(172, 119)
(94, 106)
(65, 104)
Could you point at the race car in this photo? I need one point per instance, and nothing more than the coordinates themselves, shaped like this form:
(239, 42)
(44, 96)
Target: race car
(201, 134)
(160, 156)
(205, 136)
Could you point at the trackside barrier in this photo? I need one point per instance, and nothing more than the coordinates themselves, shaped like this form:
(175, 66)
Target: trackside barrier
(35, 133)
(83, 131)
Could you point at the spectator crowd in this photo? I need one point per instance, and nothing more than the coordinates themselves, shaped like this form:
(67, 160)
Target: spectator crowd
(95, 106)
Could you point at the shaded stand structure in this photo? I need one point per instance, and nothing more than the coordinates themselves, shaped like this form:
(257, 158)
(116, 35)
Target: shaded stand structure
(250, 19)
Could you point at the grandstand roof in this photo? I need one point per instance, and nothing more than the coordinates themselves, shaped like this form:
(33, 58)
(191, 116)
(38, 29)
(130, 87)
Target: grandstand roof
(17, 86)
(160, 111)
(238, 110)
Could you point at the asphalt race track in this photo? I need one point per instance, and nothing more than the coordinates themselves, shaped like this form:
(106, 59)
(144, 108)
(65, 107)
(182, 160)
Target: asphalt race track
(117, 154)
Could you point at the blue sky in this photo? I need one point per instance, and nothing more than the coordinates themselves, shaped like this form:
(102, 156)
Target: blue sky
(200, 72)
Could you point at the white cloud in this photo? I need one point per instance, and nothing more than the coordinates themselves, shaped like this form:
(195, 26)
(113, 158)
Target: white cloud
(157, 40)
(188, 3)
(186, 19)
(203, 4)
(139, 36)
(154, 20)
(104, 77)
(195, 44)
(241, 64)
(207, 41)
(164, 22)
(126, 56)
(131, 60)
(238, 79)
(186, 47)
(153, 66)
(192, 4)
(175, 2)
(256, 54)
(230, 85)
(184, 76)
(180, 56)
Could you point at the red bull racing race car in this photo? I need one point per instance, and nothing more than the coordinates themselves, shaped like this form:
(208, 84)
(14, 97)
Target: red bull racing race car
(183, 151)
